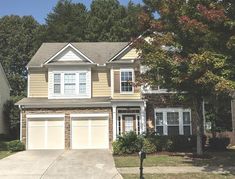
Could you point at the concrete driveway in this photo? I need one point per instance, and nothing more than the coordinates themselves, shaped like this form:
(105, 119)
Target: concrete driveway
(84, 164)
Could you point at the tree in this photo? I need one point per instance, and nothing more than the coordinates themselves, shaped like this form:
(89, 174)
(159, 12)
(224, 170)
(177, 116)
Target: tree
(17, 45)
(110, 21)
(67, 22)
(191, 49)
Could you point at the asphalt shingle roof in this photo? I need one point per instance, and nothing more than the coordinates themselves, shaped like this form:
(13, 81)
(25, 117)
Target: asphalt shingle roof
(98, 52)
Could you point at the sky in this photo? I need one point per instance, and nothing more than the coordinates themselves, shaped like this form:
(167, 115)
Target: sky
(37, 8)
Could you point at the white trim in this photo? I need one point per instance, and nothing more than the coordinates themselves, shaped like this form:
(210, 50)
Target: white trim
(62, 72)
(45, 115)
(71, 46)
(28, 85)
(90, 115)
(114, 108)
(21, 125)
(133, 80)
(119, 53)
(112, 82)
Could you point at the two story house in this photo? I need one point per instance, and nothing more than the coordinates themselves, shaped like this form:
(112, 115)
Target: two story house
(4, 96)
(83, 95)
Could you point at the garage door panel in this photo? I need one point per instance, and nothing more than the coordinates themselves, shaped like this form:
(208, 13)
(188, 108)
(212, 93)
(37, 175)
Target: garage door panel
(46, 133)
(98, 136)
(55, 137)
(80, 137)
(36, 137)
(90, 133)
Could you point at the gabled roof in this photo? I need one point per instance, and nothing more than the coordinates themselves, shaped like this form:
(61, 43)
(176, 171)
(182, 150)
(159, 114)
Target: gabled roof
(97, 52)
(3, 74)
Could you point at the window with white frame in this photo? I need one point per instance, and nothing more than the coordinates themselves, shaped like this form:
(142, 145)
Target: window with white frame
(57, 83)
(126, 80)
(82, 83)
(70, 84)
(173, 121)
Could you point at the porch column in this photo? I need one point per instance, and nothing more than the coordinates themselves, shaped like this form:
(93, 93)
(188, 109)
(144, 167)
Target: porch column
(143, 118)
(114, 123)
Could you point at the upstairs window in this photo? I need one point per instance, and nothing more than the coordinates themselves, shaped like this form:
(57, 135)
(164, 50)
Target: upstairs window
(82, 83)
(69, 83)
(57, 83)
(126, 81)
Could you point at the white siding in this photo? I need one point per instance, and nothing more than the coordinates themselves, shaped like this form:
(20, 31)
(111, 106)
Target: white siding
(69, 54)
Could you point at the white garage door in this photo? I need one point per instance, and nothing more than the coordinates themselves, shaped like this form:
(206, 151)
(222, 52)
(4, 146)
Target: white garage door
(46, 133)
(90, 133)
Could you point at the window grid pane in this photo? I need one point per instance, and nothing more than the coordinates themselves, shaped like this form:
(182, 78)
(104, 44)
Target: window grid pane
(186, 118)
(126, 81)
(69, 83)
(173, 118)
(57, 83)
(128, 124)
(159, 118)
(82, 83)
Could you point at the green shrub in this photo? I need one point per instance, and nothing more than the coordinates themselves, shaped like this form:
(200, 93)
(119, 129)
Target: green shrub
(219, 143)
(148, 146)
(15, 146)
(117, 148)
(129, 143)
(178, 143)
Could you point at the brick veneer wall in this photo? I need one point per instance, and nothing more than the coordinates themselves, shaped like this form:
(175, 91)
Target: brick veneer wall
(165, 101)
(67, 113)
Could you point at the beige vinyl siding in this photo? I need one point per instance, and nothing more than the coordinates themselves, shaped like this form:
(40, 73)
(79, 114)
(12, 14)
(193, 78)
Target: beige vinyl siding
(118, 95)
(100, 83)
(127, 96)
(132, 54)
(38, 84)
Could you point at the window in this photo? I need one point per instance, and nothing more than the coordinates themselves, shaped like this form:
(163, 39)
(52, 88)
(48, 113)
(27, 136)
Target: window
(128, 124)
(57, 83)
(159, 123)
(69, 83)
(186, 123)
(173, 121)
(126, 81)
(82, 83)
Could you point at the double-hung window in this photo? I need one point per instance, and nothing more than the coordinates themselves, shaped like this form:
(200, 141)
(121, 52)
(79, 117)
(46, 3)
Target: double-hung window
(69, 83)
(173, 121)
(126, 81)
(82, 83)
(57, 83)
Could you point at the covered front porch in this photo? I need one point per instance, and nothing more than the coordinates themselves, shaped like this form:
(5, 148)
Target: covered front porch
(128, 116)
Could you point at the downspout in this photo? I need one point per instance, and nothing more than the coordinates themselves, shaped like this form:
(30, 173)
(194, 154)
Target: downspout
(20, 123)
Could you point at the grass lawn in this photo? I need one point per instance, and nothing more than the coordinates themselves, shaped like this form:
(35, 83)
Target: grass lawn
(4, 152)
(182, 176)
(214, 159)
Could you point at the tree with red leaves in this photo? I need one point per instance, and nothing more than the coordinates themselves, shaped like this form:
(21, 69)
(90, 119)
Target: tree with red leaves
(192, 48)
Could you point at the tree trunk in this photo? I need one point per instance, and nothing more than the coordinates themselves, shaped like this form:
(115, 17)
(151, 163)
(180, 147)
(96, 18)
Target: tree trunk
(199, 122)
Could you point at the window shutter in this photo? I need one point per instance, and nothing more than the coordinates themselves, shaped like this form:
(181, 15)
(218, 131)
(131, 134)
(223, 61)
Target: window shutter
(116, 81)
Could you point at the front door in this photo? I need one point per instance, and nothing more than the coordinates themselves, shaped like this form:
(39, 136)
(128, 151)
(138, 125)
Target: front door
(129, 123)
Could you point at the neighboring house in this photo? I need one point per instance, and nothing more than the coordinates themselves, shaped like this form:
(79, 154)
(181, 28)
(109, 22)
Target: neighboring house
(83, 95)
(4, 96)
